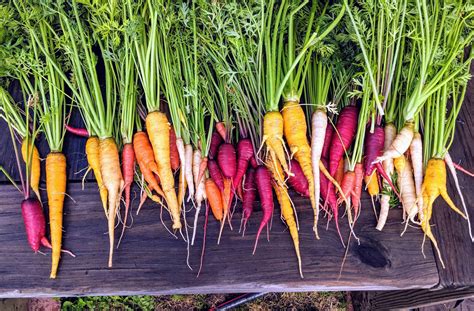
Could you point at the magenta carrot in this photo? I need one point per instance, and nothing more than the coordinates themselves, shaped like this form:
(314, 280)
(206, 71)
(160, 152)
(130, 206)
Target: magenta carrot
(216, 141)
(244, 154)
(249, 195)
(327, 141)
(82, 132)
(373, 148)
(215, 174)
(174, 154)
(298, 181)
(227, 160)
(35, 223)
(264, 188)
(343, 137)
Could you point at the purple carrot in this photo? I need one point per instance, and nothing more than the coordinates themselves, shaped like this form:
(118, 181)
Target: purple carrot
(298, 181)
(216, 141)
(249, 195)
(78, 131)
(265, 192)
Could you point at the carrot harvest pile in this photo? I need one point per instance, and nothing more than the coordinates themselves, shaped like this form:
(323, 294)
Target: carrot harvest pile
(220, 105)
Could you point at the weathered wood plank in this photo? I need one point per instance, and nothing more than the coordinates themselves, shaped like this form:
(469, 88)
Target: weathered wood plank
(153, 262)
(451, 230)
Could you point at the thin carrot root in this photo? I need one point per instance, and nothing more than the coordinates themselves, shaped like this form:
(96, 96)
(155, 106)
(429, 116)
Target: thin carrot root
(113, 181)
(56, 189)
(158, 131)
(273, 137)
(93, 158)
(333, 181)
(462, 169)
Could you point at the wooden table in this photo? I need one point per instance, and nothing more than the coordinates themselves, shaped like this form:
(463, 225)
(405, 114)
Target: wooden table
(151, 261)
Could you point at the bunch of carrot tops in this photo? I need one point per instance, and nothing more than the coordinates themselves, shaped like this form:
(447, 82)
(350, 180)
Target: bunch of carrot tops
(238, 99)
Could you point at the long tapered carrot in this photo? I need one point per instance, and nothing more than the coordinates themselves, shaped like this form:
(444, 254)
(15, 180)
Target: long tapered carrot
(214, 197)
(273, 137)
(158, 131)
(128, 172)
(113, 181)
(56, 189)
(93, 159)
(295, 133)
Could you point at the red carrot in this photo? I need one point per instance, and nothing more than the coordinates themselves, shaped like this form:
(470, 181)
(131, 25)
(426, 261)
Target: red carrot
(202, 169)
(128, 173)
(174, 155)
(216, 174)
(227, 160)
(82, 132)
(253, 162)
(216, 141)
(347, 183)
(244, 153)
(298, 181)
(249, 195)
(264, 187)
(327, 141)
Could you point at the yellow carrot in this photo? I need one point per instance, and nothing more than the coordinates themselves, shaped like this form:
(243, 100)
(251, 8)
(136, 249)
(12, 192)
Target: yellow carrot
(295, 133)
(286, 208)
(372, 184)
(93, 158)
(113, 181)
(273, 137)
(29, 152)
(433, 186)
(158, 131)
(56, 189)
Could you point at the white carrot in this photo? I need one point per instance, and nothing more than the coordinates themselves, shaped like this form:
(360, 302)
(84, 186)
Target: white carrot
(180, 147)
(319, 123)
(188, 169)
(390, 132)
(200, 192)
(400, 144)
(452, 169)
(416, 152)
(406, 184)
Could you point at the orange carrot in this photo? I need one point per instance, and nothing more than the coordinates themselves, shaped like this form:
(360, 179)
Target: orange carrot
(214, 197)
(56, 189)
(146, 161)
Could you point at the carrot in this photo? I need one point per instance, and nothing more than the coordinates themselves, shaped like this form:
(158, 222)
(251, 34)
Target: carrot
(357, 192)
(174, 155)
(35, 224)
(372, 184)
(128, 172)
(220, 128)
(248, 198)
(339, 176)
(347, 183)
(327, 140)
(227, 202)
(78, 131)
(324, 184)
(215, 173)
(374, 144)
(298, 180)
(245, 153)
(216, 141)
(406, 185)
(93, 158)
(181, 189)
(319, 141)
(113, 181)
(200, 194)
(383, 214)
(188, 169)
(273, 137)
(416, 154)
(462, 169)
(400, 144)
(264, 187)
(295, 129)
(182, 172)
(289, 218)
(158, 131)
(56, 189)
(202, 168)
(390, 132)
(146, 161)
(214, 198)
(433, 186)
(226, 158)
(29, 151)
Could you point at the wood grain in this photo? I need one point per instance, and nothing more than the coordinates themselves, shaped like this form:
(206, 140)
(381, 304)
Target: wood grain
(150, 261)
